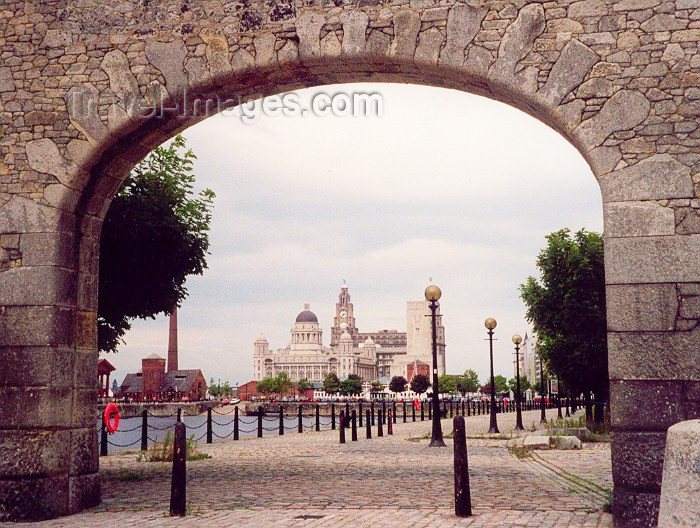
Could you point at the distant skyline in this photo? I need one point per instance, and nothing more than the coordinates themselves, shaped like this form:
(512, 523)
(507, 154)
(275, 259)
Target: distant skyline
(445, 185)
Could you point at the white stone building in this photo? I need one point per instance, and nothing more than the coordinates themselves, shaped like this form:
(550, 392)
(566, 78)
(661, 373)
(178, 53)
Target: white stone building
(386, 353)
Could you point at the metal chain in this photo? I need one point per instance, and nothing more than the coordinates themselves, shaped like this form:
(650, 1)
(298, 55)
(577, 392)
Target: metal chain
(124, 445)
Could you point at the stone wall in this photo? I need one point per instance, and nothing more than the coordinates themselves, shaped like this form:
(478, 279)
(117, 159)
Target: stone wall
(620, 79)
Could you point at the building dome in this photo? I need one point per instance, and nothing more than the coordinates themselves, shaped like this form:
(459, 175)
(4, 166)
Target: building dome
(369, 341)
(307, 316)
(345, 336)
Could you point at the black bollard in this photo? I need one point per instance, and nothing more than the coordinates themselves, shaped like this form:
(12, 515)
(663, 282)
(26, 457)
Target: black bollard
(380, 430)
(384, 411)
(333, 416)
(300, 427)
(393, 412)
(354, 425)
(209, 431)
(235, 423)
(390, 425)
(103, 440)
(422, 412)
(318, 417)
(463, 500)
(260, 417)
(430, 410)
(372, 413)
(404, 411)
(179, 414)
(413, 412)
(568, 414)
(452, 410)
(359, 413)
(368, 425)
(469, 408)
(281, 420)
(346, 423)
(178, 490)
(342, 427)
(144, 430)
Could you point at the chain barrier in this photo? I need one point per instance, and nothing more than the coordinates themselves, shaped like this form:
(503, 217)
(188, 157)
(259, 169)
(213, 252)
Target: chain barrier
(223, 424)
(222, 437)
(160, 428)
(247, 431)
(124, 445)
(197, 426)
(161, 415)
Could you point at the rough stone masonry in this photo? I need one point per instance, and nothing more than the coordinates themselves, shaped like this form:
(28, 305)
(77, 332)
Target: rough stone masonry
(619, 79)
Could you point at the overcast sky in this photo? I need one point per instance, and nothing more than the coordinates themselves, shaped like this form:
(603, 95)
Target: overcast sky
(445, 184)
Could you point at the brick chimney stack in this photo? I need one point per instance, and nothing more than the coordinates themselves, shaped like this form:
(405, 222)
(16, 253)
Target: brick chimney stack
(172, 342)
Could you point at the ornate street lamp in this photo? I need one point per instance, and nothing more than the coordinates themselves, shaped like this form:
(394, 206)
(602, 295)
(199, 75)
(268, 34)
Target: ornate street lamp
(432, 295)
(490, 324)
(518, 413)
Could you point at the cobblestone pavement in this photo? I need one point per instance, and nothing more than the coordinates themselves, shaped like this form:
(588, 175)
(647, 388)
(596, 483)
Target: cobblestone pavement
(312, 480)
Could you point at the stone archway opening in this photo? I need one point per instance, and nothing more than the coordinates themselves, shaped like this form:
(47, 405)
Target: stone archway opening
(615, 78)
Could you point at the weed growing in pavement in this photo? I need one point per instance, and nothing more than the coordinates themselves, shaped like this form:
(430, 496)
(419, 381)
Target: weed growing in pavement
(163, 451)
(607, 506)
(127, 475)
(519, 452)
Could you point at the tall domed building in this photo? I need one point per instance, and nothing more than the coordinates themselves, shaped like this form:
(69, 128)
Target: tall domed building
(370, 355)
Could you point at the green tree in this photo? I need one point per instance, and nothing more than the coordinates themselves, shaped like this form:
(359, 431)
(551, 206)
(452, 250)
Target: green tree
(213, 388)
(303, 385)
(501, 384)
(469, 382)
(267, 386)
(283, 383)
(331, 383)
(398, 384)
(447, 384)
(566, 307)
(420, 383)
(524, 384)
(155, 235)
(226, 389)
(377, 386)
(352, 385)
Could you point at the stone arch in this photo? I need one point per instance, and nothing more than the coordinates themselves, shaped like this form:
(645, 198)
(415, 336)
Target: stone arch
(619, 79)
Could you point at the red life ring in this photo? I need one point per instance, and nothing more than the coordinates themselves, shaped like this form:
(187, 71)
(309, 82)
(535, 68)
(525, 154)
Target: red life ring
(110, 410)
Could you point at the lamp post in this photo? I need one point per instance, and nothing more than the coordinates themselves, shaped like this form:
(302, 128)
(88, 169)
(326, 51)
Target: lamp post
(518, 413)
(490, 324)
(543, 414)
(432, 295)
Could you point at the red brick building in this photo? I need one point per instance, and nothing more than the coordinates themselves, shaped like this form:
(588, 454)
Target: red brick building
(154, 383)
(248, 391)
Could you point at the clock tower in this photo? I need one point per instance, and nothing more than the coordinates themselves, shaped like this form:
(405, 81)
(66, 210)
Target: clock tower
(344, 319)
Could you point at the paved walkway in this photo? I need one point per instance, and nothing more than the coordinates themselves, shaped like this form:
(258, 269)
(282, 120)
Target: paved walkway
(311, 480)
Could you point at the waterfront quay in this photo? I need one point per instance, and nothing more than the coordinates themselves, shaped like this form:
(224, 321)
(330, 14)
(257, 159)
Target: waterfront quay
(310, 479)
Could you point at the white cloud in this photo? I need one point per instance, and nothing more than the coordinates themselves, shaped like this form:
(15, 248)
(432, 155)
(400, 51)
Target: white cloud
(445, 184)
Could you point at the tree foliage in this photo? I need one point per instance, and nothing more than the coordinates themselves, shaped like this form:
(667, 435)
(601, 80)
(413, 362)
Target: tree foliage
(500, 382)
(398, 384)
(350, 386)
(377, 386)
(303, 385)
(566, 307)
(155, 235)
(447, 384)
(420, 383)
(331, 383)
(279, 385)
(468, 383)
(524, 384)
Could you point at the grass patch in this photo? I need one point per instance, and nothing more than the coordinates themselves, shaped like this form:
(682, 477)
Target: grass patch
(567, 423)
(127, 475)
(236, 506)
(607, 505)
(519, 452)
(163, 451)
(426, 436)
